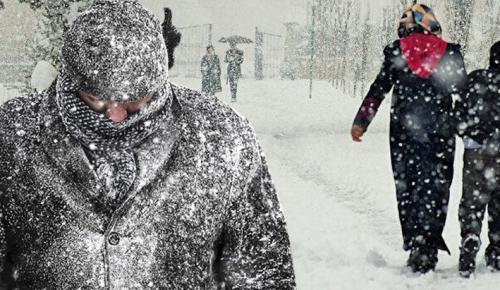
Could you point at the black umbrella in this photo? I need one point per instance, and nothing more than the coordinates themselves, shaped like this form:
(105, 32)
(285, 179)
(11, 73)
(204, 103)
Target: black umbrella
(235, 39)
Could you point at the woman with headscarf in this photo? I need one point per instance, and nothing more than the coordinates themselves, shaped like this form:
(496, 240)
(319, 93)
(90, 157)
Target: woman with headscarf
(210, 72)
(424, 71)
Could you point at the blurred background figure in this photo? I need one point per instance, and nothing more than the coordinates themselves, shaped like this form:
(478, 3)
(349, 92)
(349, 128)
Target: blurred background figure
(210, 72)
(171, 35)
(234, 59)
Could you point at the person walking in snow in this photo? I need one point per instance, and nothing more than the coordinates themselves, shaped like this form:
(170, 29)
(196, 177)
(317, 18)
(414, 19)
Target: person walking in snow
(424, 71)
(210, 72)
(234, 59)
(116, 178)
(478, 113)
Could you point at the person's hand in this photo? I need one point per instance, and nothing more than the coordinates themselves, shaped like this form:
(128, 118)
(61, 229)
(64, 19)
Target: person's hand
(356, 133)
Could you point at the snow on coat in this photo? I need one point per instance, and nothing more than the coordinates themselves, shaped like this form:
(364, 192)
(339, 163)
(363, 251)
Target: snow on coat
(234, 59)
(478, 111)
(211, 71)
(423, 71)
(202, 212)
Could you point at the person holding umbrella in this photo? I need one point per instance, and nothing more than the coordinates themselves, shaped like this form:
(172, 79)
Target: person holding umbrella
(234, 59)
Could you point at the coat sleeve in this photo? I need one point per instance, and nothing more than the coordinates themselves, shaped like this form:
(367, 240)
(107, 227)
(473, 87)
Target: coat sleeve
(462, 113)
(239, 60)
(204, 66)
(379, 88)
(256, 250)
(217, 63)
(472, 108)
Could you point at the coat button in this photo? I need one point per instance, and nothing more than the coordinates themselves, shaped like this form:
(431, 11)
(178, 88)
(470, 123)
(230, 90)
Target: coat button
(114, 238)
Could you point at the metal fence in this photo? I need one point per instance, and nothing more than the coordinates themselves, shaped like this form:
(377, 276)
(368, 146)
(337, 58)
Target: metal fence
(269, 54)
(191, 49)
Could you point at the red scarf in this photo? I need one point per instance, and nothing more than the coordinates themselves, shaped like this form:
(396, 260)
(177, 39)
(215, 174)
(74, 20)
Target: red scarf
(423, 52)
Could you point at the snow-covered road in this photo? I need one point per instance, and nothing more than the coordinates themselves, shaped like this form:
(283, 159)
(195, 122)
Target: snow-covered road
(338, 196)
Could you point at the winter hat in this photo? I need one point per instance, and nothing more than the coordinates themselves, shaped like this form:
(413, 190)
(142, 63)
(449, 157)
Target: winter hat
(418, 18)
(115, 51)
(495, 56)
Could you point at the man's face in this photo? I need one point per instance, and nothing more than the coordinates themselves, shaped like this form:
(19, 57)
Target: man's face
(115, 111)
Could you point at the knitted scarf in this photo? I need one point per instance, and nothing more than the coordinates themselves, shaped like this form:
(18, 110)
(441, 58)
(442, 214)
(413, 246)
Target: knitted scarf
(110, 146)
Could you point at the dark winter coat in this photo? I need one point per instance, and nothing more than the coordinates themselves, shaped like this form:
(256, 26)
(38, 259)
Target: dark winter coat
(210, 71)
(478, 111)
(234, 59)
(202, 212)
(423, 71)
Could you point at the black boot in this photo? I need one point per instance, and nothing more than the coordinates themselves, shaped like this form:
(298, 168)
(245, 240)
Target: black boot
(492, 256)
(423, 259)
(468, 251)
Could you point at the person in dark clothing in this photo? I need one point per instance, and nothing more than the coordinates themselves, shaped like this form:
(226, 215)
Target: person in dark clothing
(234, 59)
(479, 125)
(117, 178)
(210, 72)
(424, 71)
(171, 36)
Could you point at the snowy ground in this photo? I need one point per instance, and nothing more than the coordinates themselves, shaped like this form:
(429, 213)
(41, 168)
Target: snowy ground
(338, 196)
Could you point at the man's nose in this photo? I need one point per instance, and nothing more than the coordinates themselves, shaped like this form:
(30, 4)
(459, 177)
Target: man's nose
(117, 112)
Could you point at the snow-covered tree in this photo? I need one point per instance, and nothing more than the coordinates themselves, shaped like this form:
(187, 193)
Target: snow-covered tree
(53, 19)
(460, 14)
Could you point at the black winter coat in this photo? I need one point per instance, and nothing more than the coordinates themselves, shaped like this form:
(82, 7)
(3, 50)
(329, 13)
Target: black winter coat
(422, 106)
(423, 71)
(478, 111)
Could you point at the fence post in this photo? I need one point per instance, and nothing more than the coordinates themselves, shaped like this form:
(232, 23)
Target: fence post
(259, 57)
(210, 29)
(312, 43)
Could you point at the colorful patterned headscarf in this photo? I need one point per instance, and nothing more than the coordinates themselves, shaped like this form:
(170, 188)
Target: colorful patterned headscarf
(418, 18)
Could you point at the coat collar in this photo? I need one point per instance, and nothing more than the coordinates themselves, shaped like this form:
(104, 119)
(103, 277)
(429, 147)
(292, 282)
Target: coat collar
(68, 155)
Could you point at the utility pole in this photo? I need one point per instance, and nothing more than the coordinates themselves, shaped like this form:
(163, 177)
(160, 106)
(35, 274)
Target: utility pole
(312, 40)
(210, 33)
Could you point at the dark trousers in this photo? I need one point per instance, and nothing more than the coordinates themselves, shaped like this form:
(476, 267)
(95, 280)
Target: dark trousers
(481, 190)
(423, 173)
(233, 84)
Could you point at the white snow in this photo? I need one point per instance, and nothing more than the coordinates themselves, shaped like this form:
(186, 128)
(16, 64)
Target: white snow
(339, 197)
(43, 75)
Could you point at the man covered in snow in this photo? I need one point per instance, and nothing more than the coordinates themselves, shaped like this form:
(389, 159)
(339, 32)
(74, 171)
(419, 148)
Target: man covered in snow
(116, 178)
(424, 71)
(479, 116)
